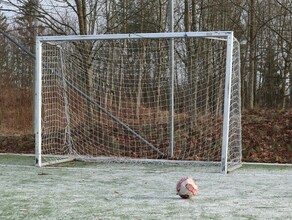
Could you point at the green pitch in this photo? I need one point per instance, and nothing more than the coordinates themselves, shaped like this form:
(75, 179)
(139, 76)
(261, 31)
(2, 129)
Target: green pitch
(128, 191)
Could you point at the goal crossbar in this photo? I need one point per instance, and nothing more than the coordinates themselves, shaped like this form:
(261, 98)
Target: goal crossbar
(207, 34)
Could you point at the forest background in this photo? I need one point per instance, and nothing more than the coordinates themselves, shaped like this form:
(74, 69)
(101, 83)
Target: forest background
(263, 28)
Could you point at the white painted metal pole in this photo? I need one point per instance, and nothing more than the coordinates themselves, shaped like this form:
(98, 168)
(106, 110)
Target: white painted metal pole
(38, 104)
(171, 82)
(227, 96)
(207, 34)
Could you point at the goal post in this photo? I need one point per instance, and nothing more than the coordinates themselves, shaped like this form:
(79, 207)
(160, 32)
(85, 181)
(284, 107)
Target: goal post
(111, 96)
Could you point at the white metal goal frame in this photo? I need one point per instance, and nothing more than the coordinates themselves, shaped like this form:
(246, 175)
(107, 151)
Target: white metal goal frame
(218, 35)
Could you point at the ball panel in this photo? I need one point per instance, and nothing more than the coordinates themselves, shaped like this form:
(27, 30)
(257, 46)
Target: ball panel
(179, 184)
(191, 188)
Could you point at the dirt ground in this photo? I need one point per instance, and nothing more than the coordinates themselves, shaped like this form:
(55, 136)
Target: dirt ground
(267, 137)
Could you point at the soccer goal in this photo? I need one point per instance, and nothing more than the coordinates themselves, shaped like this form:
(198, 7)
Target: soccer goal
(150, 97)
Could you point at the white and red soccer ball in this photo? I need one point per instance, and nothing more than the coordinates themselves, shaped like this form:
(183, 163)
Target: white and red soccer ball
(186, 187)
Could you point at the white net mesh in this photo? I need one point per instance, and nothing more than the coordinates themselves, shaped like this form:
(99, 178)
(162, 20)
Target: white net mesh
(110, 98)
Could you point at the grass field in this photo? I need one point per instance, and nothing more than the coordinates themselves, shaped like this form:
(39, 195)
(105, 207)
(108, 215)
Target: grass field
(126, 191)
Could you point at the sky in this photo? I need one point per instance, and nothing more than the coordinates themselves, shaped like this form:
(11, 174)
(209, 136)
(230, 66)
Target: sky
(8, 10)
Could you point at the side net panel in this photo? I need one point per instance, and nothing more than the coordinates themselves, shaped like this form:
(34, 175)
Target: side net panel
(234, 146)
(111, 99)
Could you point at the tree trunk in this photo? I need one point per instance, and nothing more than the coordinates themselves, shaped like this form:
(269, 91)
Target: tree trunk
(140, 74)
(252, 46)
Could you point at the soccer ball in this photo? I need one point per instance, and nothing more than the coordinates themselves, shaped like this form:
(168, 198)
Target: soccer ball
(186, 188)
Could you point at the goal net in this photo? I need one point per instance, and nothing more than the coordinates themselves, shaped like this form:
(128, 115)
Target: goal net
(160, 97)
